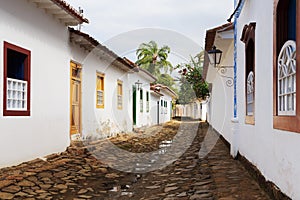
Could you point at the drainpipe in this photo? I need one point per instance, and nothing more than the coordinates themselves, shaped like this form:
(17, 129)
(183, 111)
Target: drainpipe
(234, 147)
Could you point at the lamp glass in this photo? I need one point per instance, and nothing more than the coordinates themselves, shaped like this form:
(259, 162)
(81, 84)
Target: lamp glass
(138, 84)
(214, 56)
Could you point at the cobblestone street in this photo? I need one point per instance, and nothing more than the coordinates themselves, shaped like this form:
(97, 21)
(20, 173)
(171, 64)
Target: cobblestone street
(78, 174)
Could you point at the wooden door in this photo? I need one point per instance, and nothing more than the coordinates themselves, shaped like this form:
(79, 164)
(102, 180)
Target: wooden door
(75, 99)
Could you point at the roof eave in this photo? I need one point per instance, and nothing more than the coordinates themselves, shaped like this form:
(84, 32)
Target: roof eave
(89, 44)
(147, 75)
(209, 42)
(61, 11)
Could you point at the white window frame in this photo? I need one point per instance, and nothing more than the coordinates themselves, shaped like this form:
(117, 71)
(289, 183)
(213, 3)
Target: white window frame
(286, 79)
(16, 94)
(250, 93)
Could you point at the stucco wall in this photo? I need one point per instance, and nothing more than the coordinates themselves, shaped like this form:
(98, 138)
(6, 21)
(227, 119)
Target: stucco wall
(165, 112)
(220, 103)
(154, 112)
(203, 111)
(46, 130)
(142, 118)
(274, 152)
(107, 121)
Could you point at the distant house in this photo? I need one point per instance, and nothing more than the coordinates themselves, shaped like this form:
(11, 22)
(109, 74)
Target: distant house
(35, 77)
(161, 103)
(197, 109)
(266, 106)
(99, 89)
(194, 110)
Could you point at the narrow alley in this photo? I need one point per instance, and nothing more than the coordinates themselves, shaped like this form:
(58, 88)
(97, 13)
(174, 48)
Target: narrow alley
(78, 173)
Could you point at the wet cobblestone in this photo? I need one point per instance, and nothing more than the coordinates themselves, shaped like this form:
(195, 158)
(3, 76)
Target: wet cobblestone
(77, 174)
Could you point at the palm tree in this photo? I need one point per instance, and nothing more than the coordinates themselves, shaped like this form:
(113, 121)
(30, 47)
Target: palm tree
(152, 58)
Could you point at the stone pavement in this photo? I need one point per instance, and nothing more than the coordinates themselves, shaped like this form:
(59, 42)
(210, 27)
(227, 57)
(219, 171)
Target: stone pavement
(78, 174)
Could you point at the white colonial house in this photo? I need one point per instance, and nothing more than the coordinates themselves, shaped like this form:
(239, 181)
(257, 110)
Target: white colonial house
(162, 98)
(100, 91)
(220, 79)
(197, 109)
(140, 98)
(61, 84)
(266, 108)
(35, 78)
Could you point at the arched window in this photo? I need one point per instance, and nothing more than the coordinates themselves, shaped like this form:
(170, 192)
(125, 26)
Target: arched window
(248, 37)
(286, 79)
(285, 75)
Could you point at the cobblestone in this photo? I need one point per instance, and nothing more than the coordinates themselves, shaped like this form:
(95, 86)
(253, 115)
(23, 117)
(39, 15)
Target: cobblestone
(77, 174)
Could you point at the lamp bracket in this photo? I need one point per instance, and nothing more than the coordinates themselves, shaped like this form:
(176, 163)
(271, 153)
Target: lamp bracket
(222, 70)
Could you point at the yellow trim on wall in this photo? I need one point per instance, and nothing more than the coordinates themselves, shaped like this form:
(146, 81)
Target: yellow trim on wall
(75, 78)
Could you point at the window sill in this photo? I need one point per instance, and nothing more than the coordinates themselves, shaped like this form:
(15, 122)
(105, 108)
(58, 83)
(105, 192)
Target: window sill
(100, 106)
(249, 120)
(16, 113)
(286, 123)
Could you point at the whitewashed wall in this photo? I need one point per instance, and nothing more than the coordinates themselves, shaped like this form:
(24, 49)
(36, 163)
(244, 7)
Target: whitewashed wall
(275, 153)
(192, 111)
(142, 118)
(220, 111)
(154, 112)
(46, 130)
(203, 110)
(107, 121)
(165, 112)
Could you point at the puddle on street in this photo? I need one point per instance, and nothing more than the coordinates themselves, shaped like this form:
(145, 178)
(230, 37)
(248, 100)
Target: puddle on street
(122, 190)
(166, 144)
(163, 148)
(115, 189)
(130, 194)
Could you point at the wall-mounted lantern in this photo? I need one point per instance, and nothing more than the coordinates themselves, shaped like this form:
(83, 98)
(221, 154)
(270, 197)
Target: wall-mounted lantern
(138, 85)
(214, 56)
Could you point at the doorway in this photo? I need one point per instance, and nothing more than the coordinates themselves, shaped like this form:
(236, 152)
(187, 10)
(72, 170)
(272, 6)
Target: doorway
(75, 99)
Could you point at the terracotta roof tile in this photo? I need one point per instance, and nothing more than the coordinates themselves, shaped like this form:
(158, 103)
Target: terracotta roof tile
(159, 87)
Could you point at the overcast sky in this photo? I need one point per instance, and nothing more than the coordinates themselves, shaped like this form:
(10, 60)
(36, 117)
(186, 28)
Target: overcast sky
(189, 19)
